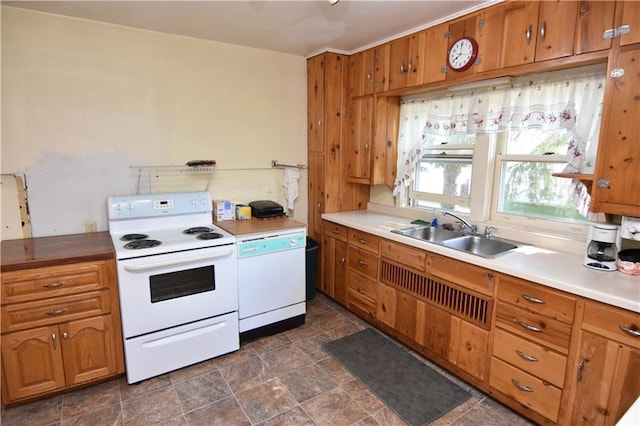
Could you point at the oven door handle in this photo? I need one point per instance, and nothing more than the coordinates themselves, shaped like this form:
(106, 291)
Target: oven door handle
(167, 263)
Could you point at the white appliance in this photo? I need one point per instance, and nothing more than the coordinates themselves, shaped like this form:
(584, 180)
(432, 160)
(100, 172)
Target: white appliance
(271, 281)
(601, 251)
(177, 280)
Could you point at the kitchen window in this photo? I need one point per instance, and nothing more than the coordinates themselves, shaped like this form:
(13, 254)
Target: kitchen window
(491, 154)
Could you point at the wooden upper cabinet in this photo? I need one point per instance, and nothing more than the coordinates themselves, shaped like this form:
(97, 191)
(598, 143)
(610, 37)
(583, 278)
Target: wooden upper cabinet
(537, 31)
(556, 29)
(361, 73)
(436, 43)
(360, 139)
(315, 101)
(406, 56)
(630, 17)
(594, 18)
(618, 161)
(485, 27)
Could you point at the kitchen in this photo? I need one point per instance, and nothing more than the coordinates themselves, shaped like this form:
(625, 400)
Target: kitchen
(152, 90)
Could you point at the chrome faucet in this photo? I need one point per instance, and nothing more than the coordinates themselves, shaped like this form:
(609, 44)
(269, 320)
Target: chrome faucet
(463, 223)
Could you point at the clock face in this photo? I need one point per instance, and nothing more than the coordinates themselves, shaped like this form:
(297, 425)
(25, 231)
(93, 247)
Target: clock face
(462, 54)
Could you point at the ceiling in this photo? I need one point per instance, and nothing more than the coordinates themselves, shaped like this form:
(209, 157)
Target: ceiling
(295, 27)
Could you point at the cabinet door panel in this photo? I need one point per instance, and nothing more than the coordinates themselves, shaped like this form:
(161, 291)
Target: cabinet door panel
(32, 362)
(360, 140)
(437, 330)
(398, 63)
(556, 28)
(470, 348)
(88, 348)
(315, 100)
(340, 274)
(436, 53)
(594, 17)
(606, 382)
(519, 33)
(618, 160)
(631, 17)
(386, 311)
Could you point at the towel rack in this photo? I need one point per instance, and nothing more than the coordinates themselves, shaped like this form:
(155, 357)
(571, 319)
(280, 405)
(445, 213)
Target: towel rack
(275, 164)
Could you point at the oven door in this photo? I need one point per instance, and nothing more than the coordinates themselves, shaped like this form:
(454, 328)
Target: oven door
(167, 290)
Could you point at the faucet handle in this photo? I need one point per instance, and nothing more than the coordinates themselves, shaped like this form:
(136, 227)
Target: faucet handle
(488, 231)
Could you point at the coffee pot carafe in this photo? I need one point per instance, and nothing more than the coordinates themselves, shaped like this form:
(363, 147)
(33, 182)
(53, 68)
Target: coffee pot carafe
(601, 251)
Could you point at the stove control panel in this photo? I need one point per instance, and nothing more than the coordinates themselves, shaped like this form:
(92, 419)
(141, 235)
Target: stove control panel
(155, 205)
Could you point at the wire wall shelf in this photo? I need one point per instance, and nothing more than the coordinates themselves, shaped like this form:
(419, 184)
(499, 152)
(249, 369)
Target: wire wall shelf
(175, 178)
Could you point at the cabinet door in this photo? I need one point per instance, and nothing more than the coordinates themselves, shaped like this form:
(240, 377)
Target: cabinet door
(360, 139)
(385, 141)
(381, 68)
(488, 29)
(386, 309)
(556, 29)
(88, 348)
(315, 194)
(435, 61)
(618, 159)
(398, 63)
(606, 381)
(437, 330)
(631, 17)
(334, 269)
(594, 17)
(32, 362)
(416, 55)
(315, 103)
(468, 348)
(519, 33)
(361, 73)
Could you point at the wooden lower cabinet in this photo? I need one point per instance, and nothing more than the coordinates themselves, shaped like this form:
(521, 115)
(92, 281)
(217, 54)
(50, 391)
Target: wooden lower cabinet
(57, 335)
(333, 276)
(606, 375)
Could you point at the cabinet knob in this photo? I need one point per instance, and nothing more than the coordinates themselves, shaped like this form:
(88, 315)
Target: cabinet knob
(468, 345)
(65, 335)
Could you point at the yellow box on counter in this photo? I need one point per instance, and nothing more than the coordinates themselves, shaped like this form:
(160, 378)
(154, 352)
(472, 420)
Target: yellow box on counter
(243, 212)
(223, 210)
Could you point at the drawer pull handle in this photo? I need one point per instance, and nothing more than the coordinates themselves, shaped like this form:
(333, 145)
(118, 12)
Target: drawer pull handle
(53, 285)
(57, 312)
(361, 241)
(363, 263)
(335, 231)
(53, 341)
(532, 299)
(525, 356)
(580, 368)
(634, 333)
(521, 387)
(530, 327)
(361, 291)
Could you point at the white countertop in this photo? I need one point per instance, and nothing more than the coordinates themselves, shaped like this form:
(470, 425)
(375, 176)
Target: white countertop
(559, 270)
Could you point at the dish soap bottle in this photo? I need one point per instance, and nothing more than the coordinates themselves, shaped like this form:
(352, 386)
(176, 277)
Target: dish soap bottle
(434, 221)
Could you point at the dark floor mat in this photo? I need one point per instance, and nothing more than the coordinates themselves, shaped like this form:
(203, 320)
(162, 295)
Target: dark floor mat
(416, 392)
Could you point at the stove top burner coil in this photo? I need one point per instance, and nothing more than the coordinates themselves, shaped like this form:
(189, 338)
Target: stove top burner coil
(197, 230)
(209, 236)
(141, 244)
(133, 237)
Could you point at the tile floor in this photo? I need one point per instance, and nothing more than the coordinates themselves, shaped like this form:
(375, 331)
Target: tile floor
(285, 379)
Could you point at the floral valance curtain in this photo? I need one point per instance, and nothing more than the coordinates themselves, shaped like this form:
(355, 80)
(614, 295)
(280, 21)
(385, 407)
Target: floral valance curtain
(571, 103)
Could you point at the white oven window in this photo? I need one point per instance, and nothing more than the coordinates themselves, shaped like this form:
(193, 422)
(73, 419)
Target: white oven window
(173, 285)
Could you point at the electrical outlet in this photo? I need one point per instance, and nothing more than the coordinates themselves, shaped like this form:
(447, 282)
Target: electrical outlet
(90, 226)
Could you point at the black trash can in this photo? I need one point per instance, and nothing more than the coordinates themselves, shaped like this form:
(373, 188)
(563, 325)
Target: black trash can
(311, 267)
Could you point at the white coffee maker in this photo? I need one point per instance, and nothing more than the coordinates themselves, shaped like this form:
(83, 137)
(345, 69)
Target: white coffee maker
(602, 251)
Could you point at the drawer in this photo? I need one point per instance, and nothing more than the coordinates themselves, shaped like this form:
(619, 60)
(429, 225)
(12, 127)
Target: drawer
(55, 310)
(40, 283)
(404, 255)
(546, 331)
(363, 240)
(361, 304)
(530, 391)
(616, 324)
(363, 262)
(336, 231)
(536, 298)
(530, 357)
(462, 273)
(362, 285)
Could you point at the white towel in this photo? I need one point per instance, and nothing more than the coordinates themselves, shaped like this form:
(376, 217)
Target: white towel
(290, 184)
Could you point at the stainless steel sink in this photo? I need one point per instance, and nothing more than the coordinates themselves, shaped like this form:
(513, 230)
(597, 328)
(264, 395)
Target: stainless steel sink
(480, 246)
(428, 233)
(469, 243)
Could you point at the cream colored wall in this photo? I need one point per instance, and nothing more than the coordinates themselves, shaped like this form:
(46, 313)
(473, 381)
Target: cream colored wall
(83, 101)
